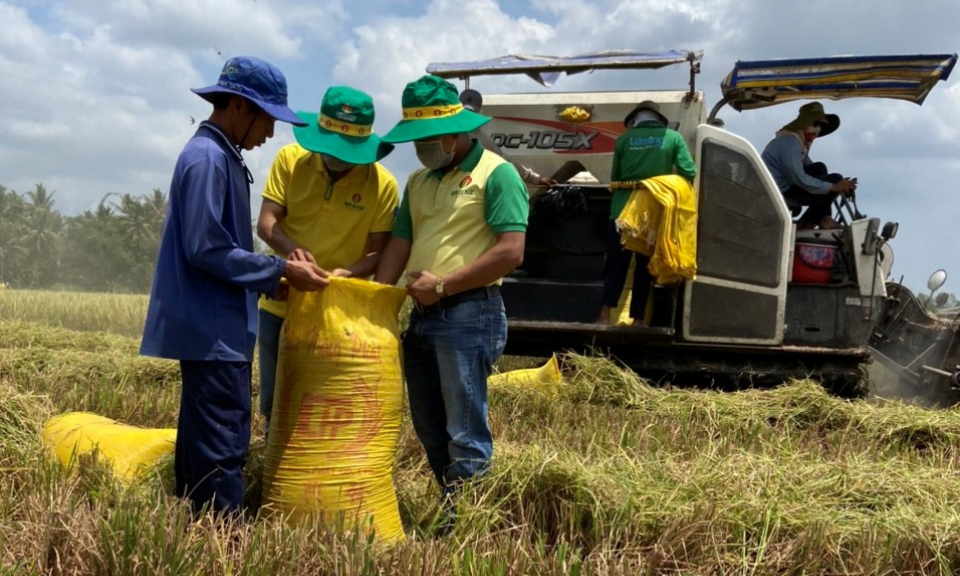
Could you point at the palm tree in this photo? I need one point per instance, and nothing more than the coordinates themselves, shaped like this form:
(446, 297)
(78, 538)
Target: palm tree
(141, 220)
(42, 239)
(40, 199)
(158, 202)
(137, 221)
(11, 228)
(44, 224)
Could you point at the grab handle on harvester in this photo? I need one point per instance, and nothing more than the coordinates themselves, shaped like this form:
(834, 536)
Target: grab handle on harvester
(712, 118)
(694, 70)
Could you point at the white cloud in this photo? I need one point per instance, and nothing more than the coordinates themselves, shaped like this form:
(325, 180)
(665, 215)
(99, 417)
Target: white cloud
(384, 56)
(946, 105)
(97, 98)
(33, 130)
(85, 109)
(223, 26)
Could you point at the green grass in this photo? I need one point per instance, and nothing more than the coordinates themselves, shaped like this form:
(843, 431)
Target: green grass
(607, 476)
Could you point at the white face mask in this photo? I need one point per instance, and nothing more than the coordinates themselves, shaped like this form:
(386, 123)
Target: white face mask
(335, 164)
(432, 155)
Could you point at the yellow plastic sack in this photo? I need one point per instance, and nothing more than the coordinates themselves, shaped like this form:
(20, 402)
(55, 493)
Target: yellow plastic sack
(335, 424)
(546, 378)
(622, 312)
(660, 221)
(129, 450)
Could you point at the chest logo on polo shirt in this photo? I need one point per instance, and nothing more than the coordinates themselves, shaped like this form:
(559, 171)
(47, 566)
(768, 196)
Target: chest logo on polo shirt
(354, 202)
(464, 188)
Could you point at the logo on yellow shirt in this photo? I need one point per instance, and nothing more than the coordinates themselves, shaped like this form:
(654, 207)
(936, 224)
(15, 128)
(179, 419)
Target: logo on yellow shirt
(464, 189)
(354, 202)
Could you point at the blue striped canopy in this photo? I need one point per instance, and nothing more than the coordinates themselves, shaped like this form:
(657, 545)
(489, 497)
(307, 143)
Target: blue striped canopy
(546, 69)
(763, 83)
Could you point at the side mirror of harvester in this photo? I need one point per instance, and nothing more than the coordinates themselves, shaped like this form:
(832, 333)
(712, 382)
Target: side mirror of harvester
(890, 230)
(936, 280)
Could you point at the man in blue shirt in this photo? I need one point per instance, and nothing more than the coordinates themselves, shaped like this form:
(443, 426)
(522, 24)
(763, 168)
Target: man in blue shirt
(802, 181)
(203, 305)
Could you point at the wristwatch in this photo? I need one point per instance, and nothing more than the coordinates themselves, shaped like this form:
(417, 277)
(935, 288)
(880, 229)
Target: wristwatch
(441, 291)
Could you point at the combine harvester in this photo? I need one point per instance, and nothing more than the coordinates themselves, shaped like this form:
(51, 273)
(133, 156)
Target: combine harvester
(755, 314)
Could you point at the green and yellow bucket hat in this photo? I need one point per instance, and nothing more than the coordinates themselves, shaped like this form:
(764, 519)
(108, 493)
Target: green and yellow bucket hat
(431, 107)
(343, 128)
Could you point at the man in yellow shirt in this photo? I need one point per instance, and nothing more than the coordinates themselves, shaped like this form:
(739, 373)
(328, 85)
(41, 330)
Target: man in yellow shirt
(461, 227)
(326, 201)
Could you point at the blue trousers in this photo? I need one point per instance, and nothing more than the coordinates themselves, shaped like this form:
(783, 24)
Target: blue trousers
(448, 356)
(213, 434)
(268, 345)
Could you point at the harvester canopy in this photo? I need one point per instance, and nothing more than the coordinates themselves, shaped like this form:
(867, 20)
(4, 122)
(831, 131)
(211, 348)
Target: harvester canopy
(761, 83)
(547, 69)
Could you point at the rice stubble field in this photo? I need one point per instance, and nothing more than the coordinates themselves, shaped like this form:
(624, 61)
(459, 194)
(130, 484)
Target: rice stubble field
(605, 475)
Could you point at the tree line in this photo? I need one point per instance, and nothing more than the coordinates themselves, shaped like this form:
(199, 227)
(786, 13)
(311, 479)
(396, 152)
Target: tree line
(943, 301)
(109, 248)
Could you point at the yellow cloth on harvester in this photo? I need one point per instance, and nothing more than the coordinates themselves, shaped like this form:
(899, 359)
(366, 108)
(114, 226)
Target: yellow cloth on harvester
(660, 221)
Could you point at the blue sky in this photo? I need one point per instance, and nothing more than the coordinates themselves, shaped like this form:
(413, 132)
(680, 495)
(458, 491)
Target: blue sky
(96, 98)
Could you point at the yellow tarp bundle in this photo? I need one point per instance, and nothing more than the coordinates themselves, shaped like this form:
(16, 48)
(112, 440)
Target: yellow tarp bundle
(660, 221)
(546, 378)
(128, 450)
(335, 424)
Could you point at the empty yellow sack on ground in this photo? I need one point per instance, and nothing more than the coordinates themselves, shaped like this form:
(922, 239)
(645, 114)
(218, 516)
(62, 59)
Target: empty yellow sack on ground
(546, 378)
(128, 450)
(335, 424)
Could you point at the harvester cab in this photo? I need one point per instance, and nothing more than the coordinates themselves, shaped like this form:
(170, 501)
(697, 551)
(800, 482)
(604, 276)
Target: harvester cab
(768, 302)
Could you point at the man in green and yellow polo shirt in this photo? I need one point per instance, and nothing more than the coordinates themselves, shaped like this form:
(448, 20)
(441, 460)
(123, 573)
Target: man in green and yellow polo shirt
(327, 201)
(461, 227)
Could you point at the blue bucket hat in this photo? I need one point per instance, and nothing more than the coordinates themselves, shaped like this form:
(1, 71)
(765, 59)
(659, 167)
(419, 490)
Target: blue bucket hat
(258, 81)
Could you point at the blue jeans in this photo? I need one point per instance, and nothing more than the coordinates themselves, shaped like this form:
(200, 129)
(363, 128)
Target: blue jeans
(268, 343)
(213, 433)
(448, 356)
